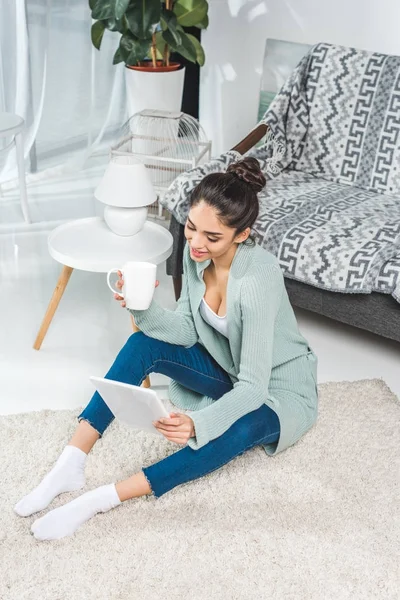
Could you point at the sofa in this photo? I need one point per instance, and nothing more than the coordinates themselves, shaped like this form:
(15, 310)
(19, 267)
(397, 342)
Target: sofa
(330, 211)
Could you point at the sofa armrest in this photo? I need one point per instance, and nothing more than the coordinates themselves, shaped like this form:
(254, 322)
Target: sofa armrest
(175, 261)
(252, 139)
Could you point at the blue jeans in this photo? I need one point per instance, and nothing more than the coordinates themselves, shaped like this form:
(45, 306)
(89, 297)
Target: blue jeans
(195, 369)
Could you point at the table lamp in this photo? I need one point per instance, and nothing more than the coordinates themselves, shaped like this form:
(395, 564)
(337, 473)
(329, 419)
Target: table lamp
(127, 191)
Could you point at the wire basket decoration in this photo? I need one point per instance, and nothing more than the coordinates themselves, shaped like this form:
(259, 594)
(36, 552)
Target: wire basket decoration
(168, 143)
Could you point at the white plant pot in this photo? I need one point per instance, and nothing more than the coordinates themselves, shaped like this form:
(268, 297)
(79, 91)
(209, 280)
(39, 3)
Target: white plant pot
(157, 91)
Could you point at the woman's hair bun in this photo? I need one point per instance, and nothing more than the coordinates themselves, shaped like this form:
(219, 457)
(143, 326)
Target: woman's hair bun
(248, 170)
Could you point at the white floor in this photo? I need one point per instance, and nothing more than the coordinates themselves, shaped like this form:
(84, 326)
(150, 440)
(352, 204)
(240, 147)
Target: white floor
(90, 327)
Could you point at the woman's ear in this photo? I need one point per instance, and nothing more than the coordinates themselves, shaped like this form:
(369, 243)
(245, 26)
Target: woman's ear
(242, 237)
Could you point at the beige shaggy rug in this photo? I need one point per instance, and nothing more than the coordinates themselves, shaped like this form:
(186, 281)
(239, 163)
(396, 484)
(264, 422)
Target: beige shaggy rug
(319, 521)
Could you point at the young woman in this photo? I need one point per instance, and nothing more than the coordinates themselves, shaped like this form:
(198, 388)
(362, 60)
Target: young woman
(232, 348)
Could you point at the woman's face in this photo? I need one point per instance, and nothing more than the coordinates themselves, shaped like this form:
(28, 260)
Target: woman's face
(207, 236)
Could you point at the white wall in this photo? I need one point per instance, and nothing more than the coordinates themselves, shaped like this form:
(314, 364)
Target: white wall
(235, 40)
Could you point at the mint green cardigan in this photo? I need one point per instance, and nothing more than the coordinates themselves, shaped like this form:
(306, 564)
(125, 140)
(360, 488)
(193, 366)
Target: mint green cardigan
(266, 357)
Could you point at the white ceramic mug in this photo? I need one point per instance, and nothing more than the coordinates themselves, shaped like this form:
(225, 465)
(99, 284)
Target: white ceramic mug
(139, 284)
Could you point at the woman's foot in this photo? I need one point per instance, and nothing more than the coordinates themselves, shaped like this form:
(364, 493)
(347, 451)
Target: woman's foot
(67, 475)
(65, 520)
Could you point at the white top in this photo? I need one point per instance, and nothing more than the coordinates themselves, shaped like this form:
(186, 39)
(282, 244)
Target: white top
(89, 245)
(210, 317)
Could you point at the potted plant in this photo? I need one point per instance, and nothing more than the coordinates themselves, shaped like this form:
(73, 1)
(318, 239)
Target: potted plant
(149, 31)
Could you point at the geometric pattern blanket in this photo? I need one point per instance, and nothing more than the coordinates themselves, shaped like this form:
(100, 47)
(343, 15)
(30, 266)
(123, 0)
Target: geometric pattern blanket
(330, 210)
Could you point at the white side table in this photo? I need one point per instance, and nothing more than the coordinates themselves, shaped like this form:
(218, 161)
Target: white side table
(89, 245)
(12, 126)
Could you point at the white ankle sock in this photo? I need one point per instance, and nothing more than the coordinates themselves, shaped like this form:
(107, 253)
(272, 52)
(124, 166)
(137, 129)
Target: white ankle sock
(67, 475)
(66, 519)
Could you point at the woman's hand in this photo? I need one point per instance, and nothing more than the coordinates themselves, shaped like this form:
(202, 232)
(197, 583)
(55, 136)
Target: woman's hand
(177, 428)
(119, 285)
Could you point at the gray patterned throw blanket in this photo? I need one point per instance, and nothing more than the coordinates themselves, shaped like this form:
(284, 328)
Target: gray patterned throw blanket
(330, 210)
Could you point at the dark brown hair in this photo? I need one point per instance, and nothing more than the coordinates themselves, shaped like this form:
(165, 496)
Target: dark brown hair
(233, 194)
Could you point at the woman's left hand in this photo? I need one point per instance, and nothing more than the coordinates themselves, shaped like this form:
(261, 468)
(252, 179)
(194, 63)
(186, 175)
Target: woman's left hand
(177, 428)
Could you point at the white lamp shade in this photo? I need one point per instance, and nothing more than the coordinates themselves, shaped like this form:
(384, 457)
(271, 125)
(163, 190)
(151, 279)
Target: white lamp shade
(126, 185)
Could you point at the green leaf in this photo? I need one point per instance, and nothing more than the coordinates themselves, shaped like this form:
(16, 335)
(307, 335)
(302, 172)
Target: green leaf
(203, 23)
(170, 40)
(142, 15)
(169, 23)
(109, 9)
(97, 32)
(117, 57)
(186, 48)
(132, 48)
(160, 45)
(125, 24)
(168, 16)
(200, 56)
(190, 12)
(92, 3)
(103, 9)
(114, 25)
(120, 8)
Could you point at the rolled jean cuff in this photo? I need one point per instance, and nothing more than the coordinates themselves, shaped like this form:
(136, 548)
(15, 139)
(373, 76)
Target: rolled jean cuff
(145, 473)
(156, 489)
(80, 418)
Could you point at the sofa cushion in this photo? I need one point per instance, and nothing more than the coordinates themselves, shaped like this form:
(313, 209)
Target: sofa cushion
(338, 117)
(331, 235)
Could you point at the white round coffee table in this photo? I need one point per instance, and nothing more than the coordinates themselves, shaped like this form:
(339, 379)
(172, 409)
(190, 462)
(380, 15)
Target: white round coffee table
(89, 245)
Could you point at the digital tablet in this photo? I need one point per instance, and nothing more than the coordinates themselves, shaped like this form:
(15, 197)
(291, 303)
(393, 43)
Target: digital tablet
(135, 406)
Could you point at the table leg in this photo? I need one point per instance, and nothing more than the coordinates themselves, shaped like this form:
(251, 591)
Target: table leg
(146, 382)
(54, 302)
